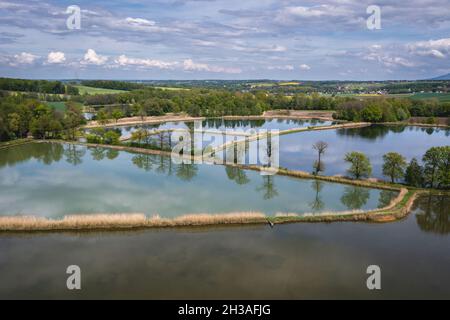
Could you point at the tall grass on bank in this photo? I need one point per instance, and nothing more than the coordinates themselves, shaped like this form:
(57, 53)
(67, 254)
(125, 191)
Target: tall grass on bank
(123, 221)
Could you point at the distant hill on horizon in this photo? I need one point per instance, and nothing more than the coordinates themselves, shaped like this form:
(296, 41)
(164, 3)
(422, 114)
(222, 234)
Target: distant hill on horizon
(443, 77)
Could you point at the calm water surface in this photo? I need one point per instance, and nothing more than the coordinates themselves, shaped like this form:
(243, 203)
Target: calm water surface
(286, 262)
(58, 179)
(296, 150)
(231, 125)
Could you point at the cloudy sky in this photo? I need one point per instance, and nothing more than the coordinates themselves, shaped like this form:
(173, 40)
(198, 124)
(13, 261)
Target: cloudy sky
(225, 39)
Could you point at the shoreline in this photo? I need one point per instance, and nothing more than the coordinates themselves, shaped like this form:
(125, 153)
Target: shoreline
(396, 210)
(185, 118)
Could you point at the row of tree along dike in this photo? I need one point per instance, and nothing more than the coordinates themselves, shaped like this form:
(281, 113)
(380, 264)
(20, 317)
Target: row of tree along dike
(391, 110)
(434, 173)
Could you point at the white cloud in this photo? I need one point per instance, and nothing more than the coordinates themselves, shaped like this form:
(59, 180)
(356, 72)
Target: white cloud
(287, 67)
(139, 22)
(22, 59)
(317, 14)
(316, 11)
(388, 60)
(265, 49)
(435, 48)
(190, 65)
(146, 63)
(56, 57)
(304, 67)
(91, 57)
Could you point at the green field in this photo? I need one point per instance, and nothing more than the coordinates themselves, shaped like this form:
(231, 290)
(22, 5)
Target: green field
(60, 106)
(92, 90)
(442, 97)
(172, 88)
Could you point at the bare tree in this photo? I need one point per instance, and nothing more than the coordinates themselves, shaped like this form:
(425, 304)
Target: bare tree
(321, 147)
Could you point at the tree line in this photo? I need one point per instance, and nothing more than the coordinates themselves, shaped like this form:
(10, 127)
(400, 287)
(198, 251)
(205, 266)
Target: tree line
(433, 173)
(390, 109)
(42, 86)
(21, 117)
(113, 84)
(212, 102)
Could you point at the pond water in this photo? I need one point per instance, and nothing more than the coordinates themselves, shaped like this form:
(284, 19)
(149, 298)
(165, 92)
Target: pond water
(88, 115)
(50, 179)
(296, 150)
(222, 125)
(295, 261)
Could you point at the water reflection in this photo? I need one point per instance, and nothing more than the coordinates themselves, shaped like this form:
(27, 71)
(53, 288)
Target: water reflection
(186, 172)
(74, 154)
(268, 187)
(144, 161)
(317, 204)
(375, 131)
(412, 142)
(237, 175)
(385, 199)
(108, 180)
(355, 198)
(47, 153)
(433, 214)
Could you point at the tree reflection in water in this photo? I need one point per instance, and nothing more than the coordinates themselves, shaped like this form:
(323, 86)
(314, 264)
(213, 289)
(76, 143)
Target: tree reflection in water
(144, 161)
(164, 165)
(317, 204)
(268, 187)
(74, 154)
(237, 175)
(47, 153)
(98, 153)
(355, 197)
(186, 172)
(385, 198)
(111, 154)
(433, 214)
(372, 132)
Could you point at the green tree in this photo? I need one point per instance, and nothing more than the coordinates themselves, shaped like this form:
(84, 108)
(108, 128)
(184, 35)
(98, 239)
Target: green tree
(321, 147)
(431, 161)
(372, 113)
(102, 117)
(394, 165)
(359, 164)
(117, 114)
(73, 118)
(414, 174)
(444, 168)
(14, 123)
(139, 135)
(111, 137)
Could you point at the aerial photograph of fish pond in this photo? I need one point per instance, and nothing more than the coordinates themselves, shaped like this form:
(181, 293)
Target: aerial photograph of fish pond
(127, 176)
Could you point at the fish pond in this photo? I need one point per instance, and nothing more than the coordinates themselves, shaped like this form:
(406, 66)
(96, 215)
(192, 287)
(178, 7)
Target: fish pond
(297, 153)
(53, 180)
(292, 261)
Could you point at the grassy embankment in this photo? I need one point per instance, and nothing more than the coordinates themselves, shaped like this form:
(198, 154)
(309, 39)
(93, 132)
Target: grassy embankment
(13, 143)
